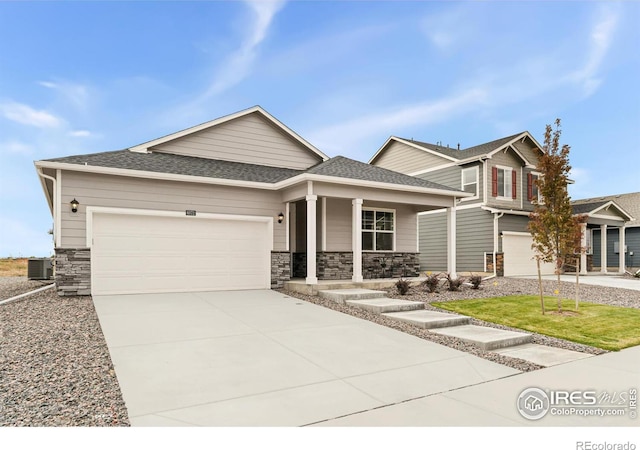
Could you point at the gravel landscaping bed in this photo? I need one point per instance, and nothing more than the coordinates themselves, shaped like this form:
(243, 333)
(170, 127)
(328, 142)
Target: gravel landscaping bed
(12, 286)
(54, 363)
(497, 287)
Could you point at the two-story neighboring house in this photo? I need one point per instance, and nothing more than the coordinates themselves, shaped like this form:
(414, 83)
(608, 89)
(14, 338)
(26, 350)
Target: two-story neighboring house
(491, 225)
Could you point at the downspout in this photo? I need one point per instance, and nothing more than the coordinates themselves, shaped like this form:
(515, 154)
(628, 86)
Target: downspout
(496, 217)
(54, 208)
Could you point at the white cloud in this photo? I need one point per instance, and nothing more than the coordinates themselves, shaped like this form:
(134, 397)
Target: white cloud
(600, 40)
(26, 115)
(80, 133)
(397, 119)
(238, 65)
(74, 93)
(16, 147)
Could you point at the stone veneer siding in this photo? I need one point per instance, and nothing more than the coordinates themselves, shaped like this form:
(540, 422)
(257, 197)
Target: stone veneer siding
(73, 271)
(280, 269)
(334, 265)
(499, 260)
(390, 265)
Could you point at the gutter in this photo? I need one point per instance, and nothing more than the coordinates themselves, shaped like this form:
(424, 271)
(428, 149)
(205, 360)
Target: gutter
(54, 209)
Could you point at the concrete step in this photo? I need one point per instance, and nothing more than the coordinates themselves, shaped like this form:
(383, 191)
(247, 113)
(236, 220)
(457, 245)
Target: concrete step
(429, 319)
(486, 338)
(384, 305)
(542, 355)
(342, 295)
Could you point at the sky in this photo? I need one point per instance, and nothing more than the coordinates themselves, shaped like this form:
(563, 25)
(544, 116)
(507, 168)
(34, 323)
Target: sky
(83, 77)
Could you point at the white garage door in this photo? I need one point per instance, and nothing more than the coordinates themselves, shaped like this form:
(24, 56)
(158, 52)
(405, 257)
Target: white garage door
(519, 257)
(149, 254)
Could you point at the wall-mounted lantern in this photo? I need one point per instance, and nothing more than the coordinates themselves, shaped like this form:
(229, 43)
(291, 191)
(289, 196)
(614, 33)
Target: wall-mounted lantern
(74, 205)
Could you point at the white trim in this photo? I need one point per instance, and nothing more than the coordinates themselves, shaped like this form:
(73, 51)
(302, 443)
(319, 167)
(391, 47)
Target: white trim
(606, 206)
(504, 179)
(521, 188)
(517, 152)
(58, 202)
(312, 277)
(583, 252)
(458, 208)
(512, 141)
(602, 216)
(512, 212)
(92, 210)
(516, 233)
(144, 147)
(462, 184)
(485, 176)
(603, 248)
(451, 241)
(411, 144)
(622, 250)
(356, 239)
(247, 184)
(51, 202)
(374, 231)
(323, 220)
(287, 222)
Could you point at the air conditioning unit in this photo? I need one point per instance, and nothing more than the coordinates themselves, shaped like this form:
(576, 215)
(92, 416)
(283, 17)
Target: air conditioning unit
(40, 269)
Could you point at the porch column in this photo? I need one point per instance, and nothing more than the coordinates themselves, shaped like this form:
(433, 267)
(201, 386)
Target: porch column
(603, 248)
(356, 239)
(311, 239)
(621, 244)
(583, 250)
(451, 240)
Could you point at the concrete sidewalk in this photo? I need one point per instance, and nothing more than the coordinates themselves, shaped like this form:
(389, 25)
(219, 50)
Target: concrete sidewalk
(494, 403)
(613, 281)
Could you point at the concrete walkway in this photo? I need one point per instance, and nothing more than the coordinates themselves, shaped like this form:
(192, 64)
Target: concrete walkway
(259, 358)
(613, 281)
(616, 374)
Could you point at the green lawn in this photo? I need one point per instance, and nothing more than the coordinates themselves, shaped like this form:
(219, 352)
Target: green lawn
(606, 327)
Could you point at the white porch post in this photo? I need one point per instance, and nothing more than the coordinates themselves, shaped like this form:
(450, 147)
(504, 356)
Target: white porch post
(621, 244)
(603, 248)
(583, 251)
(451, 240)
(311, 239)
(356, 240)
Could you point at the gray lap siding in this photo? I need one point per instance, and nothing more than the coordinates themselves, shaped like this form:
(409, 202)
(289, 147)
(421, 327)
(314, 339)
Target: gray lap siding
(474, 238)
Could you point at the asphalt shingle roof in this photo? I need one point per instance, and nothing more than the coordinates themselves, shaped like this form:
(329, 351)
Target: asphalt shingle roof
(584, 208)
(340, 166)
(188, 165)
(477, 150)
(629, 202)
(182, 165)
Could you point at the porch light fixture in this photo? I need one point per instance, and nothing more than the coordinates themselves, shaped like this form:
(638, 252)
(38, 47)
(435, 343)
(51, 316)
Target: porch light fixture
(280, 217)
(74, 205)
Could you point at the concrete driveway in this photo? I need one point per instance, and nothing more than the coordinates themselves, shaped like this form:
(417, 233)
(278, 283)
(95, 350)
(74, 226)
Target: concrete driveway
(613, 281)
(259, 358)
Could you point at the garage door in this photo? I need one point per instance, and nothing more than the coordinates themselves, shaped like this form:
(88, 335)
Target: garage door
(148, 254)
(519, 257)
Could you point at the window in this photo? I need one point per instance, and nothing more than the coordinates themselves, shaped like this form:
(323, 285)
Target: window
(470, 181)
(533, 193)
(504, 182)
(378, 230)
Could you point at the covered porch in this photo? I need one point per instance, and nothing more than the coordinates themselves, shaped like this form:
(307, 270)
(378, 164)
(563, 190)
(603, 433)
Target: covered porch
(601, 218)
(363, 234)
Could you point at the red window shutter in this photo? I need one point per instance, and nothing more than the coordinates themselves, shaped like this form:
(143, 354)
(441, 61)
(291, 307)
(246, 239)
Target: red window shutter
(514, 191)
(494, 181)
(529, 187)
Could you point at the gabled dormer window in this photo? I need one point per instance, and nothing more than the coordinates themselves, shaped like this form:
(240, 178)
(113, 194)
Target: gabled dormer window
(503, 184)
(470, 183)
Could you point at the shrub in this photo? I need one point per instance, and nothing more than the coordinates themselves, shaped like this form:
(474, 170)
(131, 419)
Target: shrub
(402, 286)
(476, 281)
(432, 282)
(454, 284)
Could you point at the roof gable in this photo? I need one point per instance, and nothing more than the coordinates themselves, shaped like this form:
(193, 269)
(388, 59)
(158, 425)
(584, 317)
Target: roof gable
(627, 206)
(251, 136)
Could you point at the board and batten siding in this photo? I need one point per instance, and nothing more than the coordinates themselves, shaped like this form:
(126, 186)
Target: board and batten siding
(137, 193)
(403, 158)
(248, 139)
(474, 228)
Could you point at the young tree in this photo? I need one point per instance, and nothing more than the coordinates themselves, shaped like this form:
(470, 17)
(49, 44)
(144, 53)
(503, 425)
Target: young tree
(556, 231)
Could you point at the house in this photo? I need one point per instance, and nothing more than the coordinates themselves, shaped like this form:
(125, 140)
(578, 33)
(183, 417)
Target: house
(492, 233)
(622, 204)
(240, 202)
